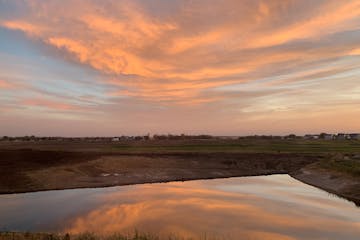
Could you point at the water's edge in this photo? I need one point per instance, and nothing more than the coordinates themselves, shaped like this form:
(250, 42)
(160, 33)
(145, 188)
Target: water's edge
(306, 177)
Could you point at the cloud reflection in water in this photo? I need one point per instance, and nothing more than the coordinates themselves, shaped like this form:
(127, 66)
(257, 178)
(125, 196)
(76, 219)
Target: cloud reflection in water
(267, 207)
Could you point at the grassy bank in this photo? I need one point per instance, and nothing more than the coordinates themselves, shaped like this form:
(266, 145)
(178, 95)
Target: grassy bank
(344, 164)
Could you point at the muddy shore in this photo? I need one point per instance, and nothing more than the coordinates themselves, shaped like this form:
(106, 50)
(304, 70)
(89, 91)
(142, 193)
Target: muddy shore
(334, 182)
(28, 170)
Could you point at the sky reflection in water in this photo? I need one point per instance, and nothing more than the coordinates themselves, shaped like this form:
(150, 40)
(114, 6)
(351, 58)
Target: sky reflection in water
(264, 207)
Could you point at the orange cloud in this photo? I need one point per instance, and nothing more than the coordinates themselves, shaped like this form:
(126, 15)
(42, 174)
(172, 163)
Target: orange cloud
(72, 46)
(49, 104)
(6, 85)
(22, 26)
(330, 19)
(355, 52)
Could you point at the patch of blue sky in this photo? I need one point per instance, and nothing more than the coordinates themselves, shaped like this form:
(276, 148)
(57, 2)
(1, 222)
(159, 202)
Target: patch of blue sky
(27, 63)
(14, 43)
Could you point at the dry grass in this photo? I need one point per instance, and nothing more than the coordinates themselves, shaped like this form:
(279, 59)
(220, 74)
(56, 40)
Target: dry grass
(344, 164)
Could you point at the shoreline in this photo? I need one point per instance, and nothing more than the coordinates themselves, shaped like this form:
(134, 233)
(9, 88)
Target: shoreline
(141, 183)
(340, 184)
(298, 176)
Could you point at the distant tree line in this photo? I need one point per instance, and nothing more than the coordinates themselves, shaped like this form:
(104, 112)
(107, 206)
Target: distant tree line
(108, 139)
(148, 137)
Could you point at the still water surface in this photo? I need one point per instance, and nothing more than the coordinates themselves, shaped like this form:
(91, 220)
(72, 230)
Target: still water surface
(263, 207)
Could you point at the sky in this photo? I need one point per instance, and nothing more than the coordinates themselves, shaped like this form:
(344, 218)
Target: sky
(220, 67)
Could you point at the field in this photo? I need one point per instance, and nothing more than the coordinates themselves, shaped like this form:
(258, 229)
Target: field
(255, 146)
(203, 146)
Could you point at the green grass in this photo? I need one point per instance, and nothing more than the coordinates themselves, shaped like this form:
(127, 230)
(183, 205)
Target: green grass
(264, 146)
(349, 166)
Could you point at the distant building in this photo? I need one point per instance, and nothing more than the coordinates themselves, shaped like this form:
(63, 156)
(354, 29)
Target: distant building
(354, 136)
(311, 136)
(326, 136)
(115, 139)
(290, 136)
(308, 136)
(341, 136)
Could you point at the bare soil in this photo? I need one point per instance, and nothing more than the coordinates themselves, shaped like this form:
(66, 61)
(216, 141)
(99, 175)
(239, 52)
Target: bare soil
(49, 166)
(35, 170)
(335, 182)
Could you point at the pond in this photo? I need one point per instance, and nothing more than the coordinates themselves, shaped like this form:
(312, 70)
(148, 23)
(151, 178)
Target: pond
(261, 207)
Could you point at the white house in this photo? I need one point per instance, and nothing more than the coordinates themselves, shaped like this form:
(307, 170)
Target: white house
(328, 137)
(354, 136)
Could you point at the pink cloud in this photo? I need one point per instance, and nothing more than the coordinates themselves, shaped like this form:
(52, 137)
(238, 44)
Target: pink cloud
(6, 85)
(49, 104)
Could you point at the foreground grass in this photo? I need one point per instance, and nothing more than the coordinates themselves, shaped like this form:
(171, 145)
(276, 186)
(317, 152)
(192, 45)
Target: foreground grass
(90, 236)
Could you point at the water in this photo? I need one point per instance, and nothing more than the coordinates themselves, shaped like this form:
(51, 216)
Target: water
(263, 207)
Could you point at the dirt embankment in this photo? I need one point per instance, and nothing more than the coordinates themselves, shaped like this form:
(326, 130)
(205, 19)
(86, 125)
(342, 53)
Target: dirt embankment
(335, 182)
(37, 170)
(34, 170)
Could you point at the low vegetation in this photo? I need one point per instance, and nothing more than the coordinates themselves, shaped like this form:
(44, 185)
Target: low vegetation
(89, 236)
(246, 145)
(346, 164)
(242, 145)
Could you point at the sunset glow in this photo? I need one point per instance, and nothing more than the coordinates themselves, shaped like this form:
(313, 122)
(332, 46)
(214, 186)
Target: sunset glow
(91, 67)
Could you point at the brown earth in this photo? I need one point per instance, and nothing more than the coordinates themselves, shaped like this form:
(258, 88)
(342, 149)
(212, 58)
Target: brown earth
(27, 170)
(34, 170)
(335, 182)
